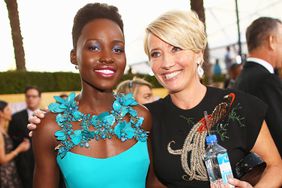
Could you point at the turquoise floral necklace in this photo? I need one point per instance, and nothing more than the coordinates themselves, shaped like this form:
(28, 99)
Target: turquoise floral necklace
(101, 125)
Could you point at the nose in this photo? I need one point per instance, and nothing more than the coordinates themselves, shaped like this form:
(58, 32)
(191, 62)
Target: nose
(106, 57)
(106, 60)
(168, 61)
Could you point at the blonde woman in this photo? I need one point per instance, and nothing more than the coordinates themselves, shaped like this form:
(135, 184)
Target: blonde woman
(140, 88)
(175, 43)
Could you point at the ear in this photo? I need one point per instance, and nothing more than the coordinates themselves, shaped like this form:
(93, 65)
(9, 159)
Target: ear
(73, 57)
(271, 41)
(200, 58)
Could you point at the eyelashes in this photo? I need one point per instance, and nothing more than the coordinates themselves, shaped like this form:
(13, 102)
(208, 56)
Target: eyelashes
(118, 49)
(158, 53)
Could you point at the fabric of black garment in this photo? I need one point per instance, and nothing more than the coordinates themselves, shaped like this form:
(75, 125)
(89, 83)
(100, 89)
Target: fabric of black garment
(9, 177)
(258, 81)
(24, 161)
(171, 123)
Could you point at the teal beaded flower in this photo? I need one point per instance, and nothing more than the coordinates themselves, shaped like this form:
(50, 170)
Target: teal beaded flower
(103, 126)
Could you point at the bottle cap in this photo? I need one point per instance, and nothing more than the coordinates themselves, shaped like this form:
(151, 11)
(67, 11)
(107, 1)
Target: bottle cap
(211, 139)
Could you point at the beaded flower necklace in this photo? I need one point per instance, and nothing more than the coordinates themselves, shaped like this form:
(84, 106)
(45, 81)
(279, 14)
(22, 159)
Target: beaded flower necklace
(102, 124)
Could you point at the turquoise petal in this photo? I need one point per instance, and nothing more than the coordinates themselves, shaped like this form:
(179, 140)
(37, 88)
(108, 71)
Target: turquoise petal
(132, 112)
(59, 99)
(110, 119)
(139, 122)
(116, 106)
(55, 108)
(60, 135)
(123, 111)
(76, 137)
(77, 115)
(129, 130)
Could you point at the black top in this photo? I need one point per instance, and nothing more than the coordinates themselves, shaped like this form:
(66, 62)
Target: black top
(25, 160)
(258, 81)
(8, 172)
(237, 132)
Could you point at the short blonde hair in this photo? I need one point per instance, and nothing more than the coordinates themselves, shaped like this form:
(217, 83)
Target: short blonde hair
(179, 28)
(131, 86)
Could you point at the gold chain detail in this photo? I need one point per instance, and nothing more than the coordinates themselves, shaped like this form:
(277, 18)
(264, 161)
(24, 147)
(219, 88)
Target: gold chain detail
(194, 146)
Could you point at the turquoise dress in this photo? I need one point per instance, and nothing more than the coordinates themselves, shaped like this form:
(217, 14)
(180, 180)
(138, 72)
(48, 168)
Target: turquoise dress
(125, 170)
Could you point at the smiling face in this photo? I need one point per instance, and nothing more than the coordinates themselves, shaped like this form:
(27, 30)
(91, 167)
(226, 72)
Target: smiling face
(100, 54)
(175, 68)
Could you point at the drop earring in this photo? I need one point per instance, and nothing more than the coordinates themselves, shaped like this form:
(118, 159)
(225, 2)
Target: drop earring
(200, 70)
(76, 67)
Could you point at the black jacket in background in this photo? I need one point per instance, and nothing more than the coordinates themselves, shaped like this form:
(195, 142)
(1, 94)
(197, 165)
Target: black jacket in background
(258, 81)
(24, 161)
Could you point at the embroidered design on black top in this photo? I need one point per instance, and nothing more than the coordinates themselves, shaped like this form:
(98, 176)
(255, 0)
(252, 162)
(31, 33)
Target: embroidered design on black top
(194, 144)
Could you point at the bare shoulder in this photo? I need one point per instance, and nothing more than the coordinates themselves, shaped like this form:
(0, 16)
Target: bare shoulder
(145, 113)
(46, 129)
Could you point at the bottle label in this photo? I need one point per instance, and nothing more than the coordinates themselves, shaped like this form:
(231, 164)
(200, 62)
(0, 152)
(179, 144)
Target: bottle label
(225, 168)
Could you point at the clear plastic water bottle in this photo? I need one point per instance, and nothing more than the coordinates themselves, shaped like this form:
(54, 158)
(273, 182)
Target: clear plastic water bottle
(217, 163)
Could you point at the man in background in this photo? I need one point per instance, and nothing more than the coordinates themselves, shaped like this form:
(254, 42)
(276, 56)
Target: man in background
(264, 40)
(18, 132)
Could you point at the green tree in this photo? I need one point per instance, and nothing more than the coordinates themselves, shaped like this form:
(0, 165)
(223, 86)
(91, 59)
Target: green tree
(12, 7)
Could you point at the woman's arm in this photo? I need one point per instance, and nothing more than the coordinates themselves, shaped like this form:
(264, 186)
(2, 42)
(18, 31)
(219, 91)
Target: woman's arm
(266, 149)
(152, 181)
(7, 157)
(46, 172)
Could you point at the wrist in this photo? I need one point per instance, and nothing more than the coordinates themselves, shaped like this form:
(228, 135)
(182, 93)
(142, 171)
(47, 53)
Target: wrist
(15, 153)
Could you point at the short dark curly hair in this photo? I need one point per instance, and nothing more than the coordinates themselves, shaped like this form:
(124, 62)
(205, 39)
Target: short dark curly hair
(93, 11)
(260, 29)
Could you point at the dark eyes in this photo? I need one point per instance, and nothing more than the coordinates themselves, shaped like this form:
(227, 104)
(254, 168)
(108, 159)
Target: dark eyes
(115, 49)
(155, 54)
(94, 48)
(118, 49)
(175, 49)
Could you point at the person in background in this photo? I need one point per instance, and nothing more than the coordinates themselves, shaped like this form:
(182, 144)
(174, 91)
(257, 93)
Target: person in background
(233, 73)
(175, 43)
(264, 41)
(228, 58)
(19, 132)
(217, 68)
(140, 88)
(8, 172)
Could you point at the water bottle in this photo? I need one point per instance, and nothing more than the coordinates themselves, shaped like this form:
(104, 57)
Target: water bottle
(217, 163)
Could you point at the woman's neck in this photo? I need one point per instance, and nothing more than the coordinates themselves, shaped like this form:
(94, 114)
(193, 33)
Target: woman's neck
(94, 101)
(3, 126)
(189, 97)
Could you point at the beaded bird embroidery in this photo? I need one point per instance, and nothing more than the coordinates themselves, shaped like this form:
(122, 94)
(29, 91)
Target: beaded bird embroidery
(102, 125)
